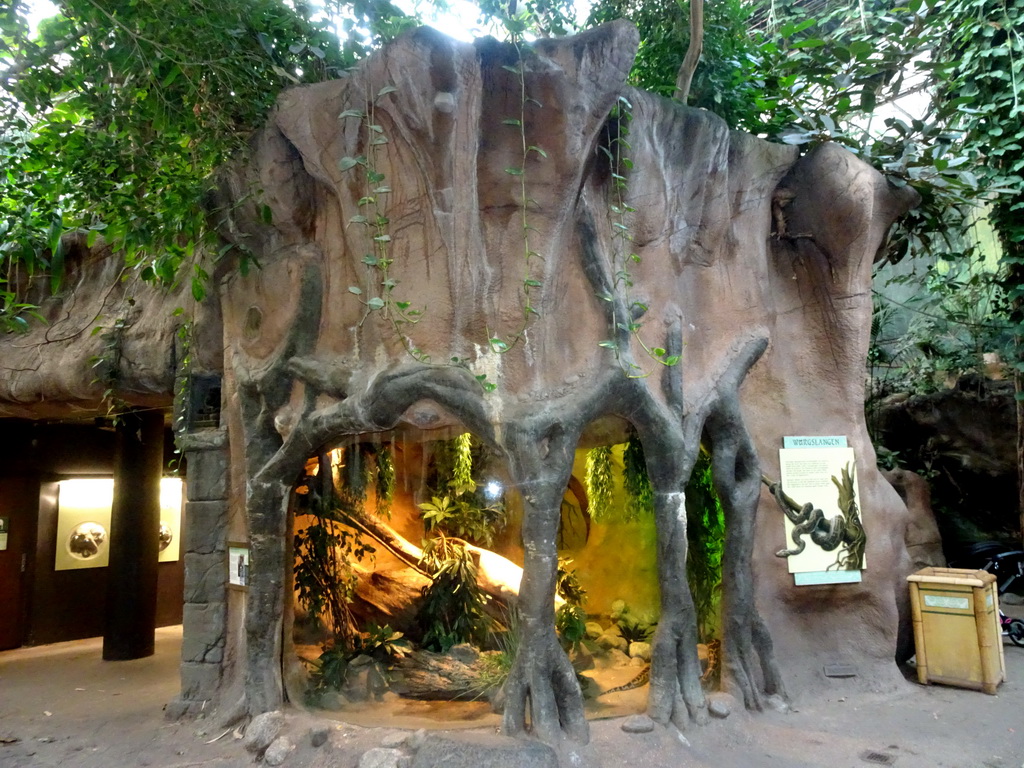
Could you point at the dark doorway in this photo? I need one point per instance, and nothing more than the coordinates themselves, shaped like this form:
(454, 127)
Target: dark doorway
(19, 504)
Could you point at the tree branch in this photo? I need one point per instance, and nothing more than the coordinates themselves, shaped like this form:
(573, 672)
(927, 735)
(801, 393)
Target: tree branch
(685, 76)
(21, 65)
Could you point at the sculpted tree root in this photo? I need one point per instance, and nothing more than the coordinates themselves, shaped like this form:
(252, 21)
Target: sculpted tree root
(746, 638)
(541, 456)
(543, 677)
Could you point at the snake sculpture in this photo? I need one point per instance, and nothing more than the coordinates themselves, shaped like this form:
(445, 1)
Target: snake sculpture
(844, 531)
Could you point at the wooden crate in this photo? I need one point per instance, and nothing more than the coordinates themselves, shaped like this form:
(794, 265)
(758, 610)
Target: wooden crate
(956, 628)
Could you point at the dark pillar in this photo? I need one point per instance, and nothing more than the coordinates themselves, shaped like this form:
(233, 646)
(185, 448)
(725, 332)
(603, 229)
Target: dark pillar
(134, 537)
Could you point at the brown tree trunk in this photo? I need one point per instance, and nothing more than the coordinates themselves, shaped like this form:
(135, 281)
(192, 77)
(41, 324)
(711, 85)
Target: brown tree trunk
(685, 76)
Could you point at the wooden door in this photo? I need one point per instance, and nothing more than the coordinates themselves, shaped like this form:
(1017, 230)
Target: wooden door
(19, 506)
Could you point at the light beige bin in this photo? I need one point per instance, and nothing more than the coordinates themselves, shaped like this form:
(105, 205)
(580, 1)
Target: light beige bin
(956, 628)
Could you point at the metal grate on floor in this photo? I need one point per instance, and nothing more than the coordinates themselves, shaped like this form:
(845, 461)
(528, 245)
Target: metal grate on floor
(877, 758)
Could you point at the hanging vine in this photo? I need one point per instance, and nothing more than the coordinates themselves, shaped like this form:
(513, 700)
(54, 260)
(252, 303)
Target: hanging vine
(599, 482)
(380, 284)
(517, 26)
(635, 481)
(385, 480)
(623, 256)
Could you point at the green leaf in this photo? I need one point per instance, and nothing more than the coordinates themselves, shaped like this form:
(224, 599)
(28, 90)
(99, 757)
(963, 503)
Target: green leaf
(358, 113)
(512, 121)
(608, 344)
(171, 76)
(514, 171)
(375, 303)
(355, 289)
(348, 163)
(811, 43)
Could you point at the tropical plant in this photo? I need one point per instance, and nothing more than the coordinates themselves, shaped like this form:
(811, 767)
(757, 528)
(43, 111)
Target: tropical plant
(324, 552)
(570, 618)
(329, 671)
(381, 644)
(114, 115)
(958, 315)
(453, 607)
(632, 628)
(495, 666)
(705, 522)
(466, 516)
(459, 507)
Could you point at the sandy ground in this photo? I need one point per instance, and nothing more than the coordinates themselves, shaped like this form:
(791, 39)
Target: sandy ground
(61, 705)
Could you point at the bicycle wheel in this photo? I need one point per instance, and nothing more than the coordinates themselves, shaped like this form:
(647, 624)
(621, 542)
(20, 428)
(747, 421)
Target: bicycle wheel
(1015, 630)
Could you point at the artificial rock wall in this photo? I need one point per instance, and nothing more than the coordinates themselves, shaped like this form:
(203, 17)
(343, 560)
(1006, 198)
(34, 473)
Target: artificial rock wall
(504, 221)
(494, 172)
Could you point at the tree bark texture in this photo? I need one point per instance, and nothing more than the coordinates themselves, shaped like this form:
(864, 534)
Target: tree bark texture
(692, 58)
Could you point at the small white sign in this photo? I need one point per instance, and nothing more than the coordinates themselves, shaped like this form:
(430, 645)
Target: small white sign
(238, 566)
(941, 601)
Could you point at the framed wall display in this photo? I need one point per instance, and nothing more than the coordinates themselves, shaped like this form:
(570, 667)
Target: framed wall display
(170, 519)
(5, 527)
(828, 547)
(83, 522)
(238, 565)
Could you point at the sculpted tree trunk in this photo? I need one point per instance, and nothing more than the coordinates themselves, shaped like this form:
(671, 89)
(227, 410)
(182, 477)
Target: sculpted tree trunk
(590, 252)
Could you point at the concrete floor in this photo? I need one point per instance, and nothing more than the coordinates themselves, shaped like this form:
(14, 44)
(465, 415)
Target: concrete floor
(61, 705)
